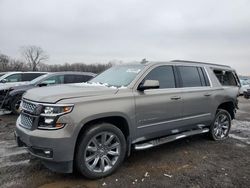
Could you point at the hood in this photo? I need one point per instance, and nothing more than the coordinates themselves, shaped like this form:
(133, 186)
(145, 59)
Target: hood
(53, 94)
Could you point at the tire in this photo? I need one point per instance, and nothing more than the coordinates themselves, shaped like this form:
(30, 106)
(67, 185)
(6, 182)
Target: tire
(93, 151)
(220, 128)
(15, 104)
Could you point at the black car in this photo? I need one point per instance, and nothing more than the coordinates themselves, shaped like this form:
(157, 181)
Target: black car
(10, 98)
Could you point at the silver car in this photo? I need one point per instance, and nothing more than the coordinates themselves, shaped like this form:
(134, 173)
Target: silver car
(93, 126)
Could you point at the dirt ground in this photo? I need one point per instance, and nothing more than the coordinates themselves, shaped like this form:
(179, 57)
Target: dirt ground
(191, 162)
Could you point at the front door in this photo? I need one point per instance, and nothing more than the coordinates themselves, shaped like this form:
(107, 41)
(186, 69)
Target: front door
(158, 110)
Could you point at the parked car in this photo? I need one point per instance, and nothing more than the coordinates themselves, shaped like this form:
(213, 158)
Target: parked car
(10, 98)
(17, 78)
(247, 93)
(94, 126)
(245, 84)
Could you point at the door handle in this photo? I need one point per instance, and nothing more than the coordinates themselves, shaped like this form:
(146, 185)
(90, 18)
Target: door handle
(207, 94)
(175, 98)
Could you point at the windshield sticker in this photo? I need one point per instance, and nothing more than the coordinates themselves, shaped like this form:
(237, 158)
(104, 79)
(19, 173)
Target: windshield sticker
(133, 71)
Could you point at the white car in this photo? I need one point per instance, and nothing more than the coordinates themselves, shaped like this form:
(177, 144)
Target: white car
(245, 85)
(9, 79)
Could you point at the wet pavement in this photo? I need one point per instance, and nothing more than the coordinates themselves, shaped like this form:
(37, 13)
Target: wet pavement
(191, 162)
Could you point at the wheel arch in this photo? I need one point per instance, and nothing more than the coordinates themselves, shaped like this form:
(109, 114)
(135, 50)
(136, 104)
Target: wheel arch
(230, 106)
(117, 119)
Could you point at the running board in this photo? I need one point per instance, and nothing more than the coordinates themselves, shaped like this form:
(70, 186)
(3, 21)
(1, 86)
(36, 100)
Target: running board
(167, 139)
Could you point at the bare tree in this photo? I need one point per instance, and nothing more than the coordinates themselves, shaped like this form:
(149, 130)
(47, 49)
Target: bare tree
(34, 55)
(4, 62)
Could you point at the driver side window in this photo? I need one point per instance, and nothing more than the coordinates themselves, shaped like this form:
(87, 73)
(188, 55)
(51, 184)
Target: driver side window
(164, 74)
(58, 79)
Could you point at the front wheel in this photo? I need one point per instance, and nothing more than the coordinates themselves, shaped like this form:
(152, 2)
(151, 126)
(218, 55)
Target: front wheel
(15, 104)
(220, 128)
(101, 151)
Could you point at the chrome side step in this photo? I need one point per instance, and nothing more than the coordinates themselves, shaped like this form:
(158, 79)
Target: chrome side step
(167, 139)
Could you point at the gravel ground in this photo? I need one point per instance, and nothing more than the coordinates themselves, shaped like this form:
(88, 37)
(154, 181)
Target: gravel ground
(191, 162)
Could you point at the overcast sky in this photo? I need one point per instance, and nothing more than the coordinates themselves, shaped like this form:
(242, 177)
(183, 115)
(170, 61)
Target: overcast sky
(92, 31)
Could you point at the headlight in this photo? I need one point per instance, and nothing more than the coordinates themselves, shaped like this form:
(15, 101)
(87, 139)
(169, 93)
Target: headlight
(50, 115)
(56, 110)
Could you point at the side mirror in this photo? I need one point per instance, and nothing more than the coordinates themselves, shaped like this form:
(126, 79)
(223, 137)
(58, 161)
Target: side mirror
(3, 81)
(149, 84)
(42, 84)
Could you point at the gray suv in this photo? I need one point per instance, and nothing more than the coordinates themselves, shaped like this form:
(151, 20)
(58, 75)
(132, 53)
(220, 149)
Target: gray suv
(91, 127)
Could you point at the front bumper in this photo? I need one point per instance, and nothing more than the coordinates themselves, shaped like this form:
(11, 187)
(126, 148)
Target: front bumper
(40, 142)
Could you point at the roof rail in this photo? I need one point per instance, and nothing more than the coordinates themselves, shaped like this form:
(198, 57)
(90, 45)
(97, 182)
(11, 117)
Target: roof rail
(185, 61)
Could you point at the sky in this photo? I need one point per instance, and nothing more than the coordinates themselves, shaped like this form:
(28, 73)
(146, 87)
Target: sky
(99, 31)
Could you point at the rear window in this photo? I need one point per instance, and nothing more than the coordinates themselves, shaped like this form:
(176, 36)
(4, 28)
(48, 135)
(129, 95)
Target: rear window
(192, 76)
(226, 78)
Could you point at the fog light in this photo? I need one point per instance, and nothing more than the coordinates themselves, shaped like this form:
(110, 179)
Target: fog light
(48, 120)
(47, 152)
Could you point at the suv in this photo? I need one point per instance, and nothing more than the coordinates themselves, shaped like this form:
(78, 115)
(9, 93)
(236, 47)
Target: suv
(94, 126)
(18, 77)
(10, 98)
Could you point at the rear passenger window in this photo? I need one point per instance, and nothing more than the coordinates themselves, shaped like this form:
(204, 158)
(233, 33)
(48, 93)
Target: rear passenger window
(190, 76)
(165, 76)
(226, 78)
(30, 76)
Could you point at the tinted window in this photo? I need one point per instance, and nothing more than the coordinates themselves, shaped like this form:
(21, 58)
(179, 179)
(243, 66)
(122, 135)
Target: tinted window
(30, 76)
(226, 78)
(190, 76)
(76, 78)
(14, 78)
(165, 76)
(58, 79)
(202, 77)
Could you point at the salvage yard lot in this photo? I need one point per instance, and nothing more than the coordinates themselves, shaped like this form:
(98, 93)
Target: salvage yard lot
(191, 162)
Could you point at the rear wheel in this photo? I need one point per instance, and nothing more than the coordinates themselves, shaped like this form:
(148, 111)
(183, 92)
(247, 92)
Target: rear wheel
(15, 104)
(220, 128)
(101, 151)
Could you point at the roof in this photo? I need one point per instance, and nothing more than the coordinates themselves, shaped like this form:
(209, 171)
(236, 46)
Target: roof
(197, 62)
(73, 72)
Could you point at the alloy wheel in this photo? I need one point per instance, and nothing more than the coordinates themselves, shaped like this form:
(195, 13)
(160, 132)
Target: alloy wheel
(221, 126)
(102, 152)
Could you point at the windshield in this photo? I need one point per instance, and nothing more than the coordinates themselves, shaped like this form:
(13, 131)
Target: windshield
(38, 79)
(118, 76)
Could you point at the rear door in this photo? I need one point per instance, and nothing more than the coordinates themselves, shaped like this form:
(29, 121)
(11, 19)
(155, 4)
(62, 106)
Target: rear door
(196, 95)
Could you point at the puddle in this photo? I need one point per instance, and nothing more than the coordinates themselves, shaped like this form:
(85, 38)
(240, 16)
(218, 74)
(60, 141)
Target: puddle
(240, 130)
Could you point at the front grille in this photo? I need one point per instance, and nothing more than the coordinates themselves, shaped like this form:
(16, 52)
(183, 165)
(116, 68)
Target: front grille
(28, 106)
(26, 121)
